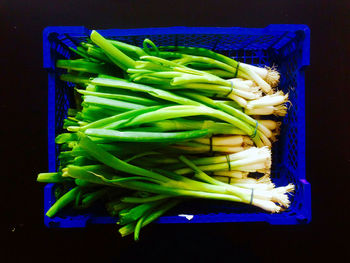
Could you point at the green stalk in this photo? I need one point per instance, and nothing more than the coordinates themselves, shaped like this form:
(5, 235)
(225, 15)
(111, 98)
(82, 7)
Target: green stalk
(157, 93)
(128, 136)
(81, 161)
(75, 79)
(94, 113)
(128, 49)
(90, 198)
(184, 124)
(51, 178)
(165, 63)
(63, 201)
(220, 73)
(167, 55)
(150, 66)
(140, 155)
(98, 54)
(165, 74)
(149, 80)
(170, 112)
(199, 87)
(133, 99)
(137, 200)
(151, 216)
(188, 78)
(116, 91)
(117, 57)
(108, 121)
(84, 66)
(110, 103)
(83, 183)
(147, 219)
(114, 207)
(137, 212)
(199, 173)
(66, 137)
(189, 59)
(139, 226)
(81, 53)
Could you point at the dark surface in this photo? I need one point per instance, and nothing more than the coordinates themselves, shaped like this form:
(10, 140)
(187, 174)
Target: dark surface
(24, 137)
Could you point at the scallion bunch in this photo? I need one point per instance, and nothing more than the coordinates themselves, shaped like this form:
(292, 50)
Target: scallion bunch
(157, 126)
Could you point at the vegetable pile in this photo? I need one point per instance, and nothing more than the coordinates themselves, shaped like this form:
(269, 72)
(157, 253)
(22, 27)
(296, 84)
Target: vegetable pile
(157, 126)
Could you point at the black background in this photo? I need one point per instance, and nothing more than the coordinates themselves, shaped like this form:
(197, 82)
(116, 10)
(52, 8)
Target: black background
(24, 136)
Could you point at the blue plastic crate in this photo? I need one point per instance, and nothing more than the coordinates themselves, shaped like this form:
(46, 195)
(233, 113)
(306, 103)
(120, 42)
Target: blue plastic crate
(286, 46)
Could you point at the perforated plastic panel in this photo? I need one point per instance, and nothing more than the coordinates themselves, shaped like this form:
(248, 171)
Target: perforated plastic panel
(285, 46)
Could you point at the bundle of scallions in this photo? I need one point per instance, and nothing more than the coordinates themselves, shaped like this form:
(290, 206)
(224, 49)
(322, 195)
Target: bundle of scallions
(157, 126)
